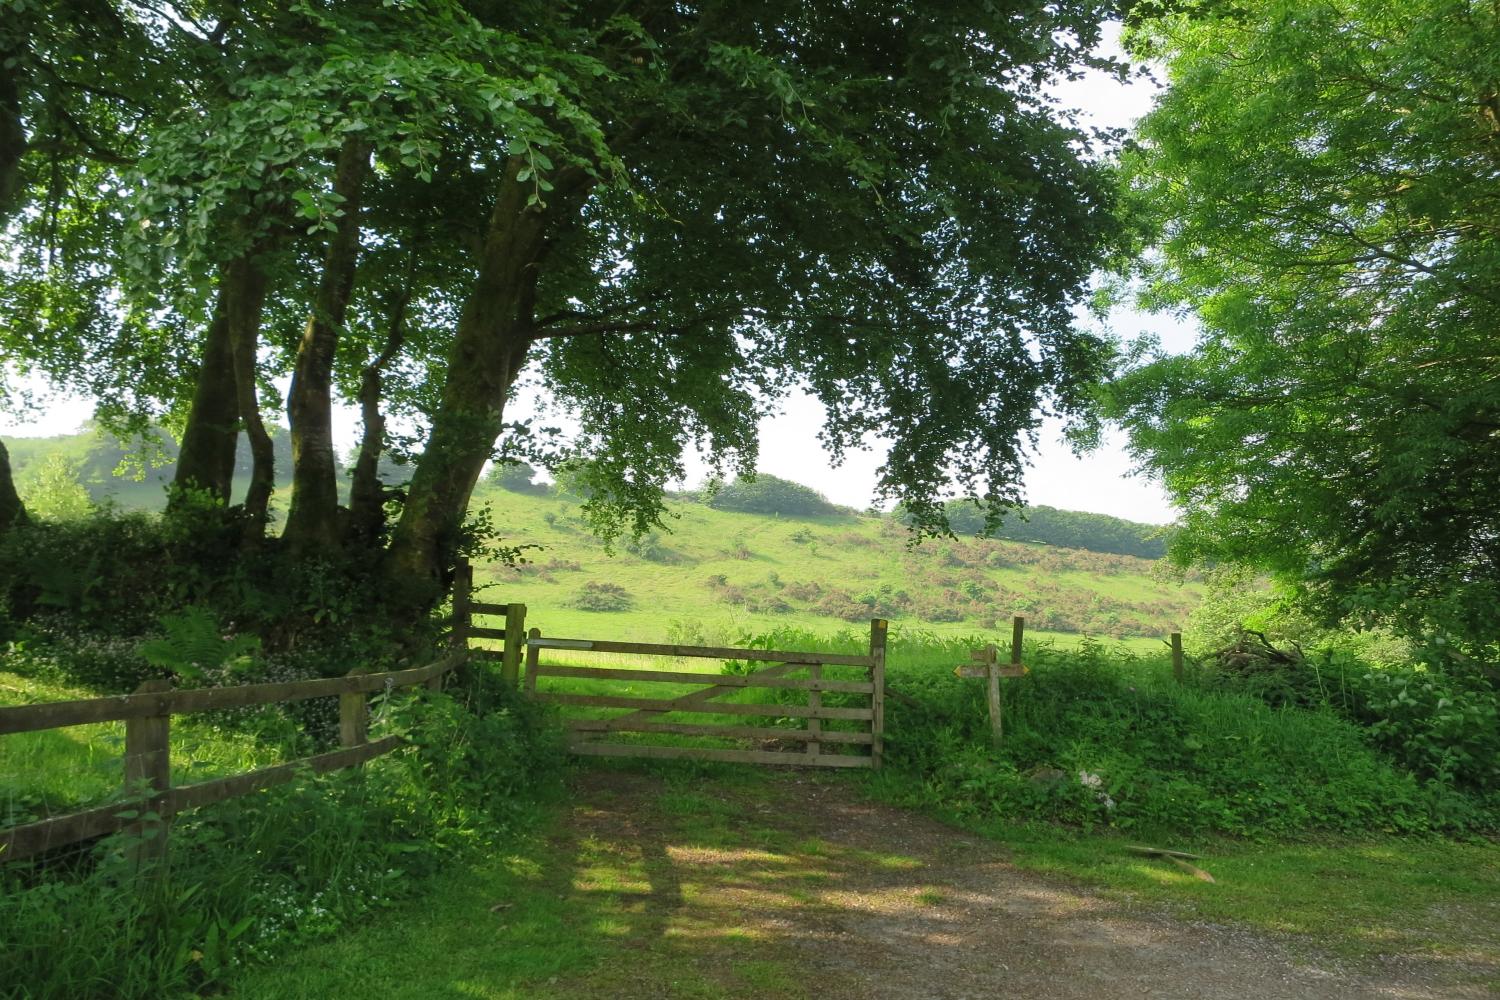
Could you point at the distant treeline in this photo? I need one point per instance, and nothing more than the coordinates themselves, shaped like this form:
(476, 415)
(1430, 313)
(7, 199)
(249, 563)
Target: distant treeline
(1047, 525)
(1073, 529)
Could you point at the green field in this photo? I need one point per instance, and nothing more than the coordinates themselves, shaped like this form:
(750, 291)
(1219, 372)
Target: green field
(718, 576)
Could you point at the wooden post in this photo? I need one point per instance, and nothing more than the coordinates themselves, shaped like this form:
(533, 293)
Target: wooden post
(533, 657)
(997, 713)
(1177, 670)
(354, 716)
(463, 586)
(877, 697)
(515, 630)
(148, 767)
(814, 702)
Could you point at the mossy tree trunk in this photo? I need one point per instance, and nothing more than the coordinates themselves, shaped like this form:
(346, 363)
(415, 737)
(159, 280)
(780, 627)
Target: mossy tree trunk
(488, 352)
(366, 491)
(12, 147)
(205, 461)
(313, 523)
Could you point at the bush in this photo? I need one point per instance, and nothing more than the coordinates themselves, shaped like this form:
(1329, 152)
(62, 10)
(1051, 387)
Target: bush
(596, 596)
(651, 548)
(765, 494)
(1442, 727)
(1166, 756)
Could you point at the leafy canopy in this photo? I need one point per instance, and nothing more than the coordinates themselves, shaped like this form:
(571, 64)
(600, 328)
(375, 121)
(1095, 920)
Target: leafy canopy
(1318, 185)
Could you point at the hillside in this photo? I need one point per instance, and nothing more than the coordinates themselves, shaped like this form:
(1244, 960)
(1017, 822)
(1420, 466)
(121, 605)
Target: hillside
(721, 572)
(718, 573)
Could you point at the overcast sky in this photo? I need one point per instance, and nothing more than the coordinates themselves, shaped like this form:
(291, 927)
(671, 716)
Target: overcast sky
(1100, 481)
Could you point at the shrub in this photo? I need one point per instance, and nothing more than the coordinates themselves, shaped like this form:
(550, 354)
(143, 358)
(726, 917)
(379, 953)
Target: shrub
(810, 590)
(766, 494)
(1442, 727)
(651, 548)
(1167, 756)
(52, 490)
(599, 596)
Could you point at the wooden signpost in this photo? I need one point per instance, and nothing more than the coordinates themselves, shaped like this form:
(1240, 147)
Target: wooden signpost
(987, 665)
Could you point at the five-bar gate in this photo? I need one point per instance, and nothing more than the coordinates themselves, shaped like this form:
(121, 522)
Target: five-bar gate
(837, 721)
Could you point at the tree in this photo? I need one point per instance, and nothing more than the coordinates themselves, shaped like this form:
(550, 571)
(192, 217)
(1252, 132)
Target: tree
(514, 476)
(667, 215)
(1320, 179)
(54, 492)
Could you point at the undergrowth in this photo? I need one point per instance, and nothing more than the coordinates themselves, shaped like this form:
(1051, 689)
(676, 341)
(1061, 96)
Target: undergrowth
(249, 878)
(1096, 736)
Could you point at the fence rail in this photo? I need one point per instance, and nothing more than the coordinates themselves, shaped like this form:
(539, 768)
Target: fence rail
(150, 800)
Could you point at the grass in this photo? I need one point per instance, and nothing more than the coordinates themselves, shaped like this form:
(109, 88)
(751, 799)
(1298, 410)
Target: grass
(583, 911)
(55, 771)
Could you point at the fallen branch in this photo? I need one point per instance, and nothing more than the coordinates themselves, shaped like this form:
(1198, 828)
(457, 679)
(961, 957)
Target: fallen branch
(1175, 857)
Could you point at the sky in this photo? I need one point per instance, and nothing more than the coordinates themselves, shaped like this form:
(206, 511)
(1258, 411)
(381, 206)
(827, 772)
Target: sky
(1100, 481)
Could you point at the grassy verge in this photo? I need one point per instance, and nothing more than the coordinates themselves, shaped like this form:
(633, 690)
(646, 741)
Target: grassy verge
(1429, 899)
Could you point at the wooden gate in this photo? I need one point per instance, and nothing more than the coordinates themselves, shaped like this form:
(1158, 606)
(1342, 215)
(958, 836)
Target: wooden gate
(838, 724)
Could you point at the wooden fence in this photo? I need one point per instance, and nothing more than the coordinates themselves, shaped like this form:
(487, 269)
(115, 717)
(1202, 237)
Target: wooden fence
(821, 746)
(513, 634)
(150, 799)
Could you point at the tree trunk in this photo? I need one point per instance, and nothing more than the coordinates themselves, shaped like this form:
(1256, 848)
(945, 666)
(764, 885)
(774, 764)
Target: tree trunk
(12, 511)
(312, 525)
(488, 352)
(12, 138)
(205, 461)
(245, 285)
(12, 148)
(366, 492)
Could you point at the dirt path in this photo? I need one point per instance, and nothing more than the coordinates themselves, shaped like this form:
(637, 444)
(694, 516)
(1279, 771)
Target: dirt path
(795, 887)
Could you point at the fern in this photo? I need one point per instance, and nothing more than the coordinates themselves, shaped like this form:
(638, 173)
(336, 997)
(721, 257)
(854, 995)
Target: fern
(193, 645)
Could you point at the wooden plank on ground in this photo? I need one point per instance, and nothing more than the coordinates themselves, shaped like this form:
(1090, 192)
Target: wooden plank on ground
(706, 652)
(756, 680)
(710, 729)
(666, 705)
(795, 759)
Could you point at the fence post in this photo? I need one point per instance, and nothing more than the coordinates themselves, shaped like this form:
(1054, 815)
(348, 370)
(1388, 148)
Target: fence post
(814, 702)
(354, 716)
(148, 765)
(997, 708)
(533, 657)
(1177, 670)
(463, 585)
(515, 630)
(877, 697)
